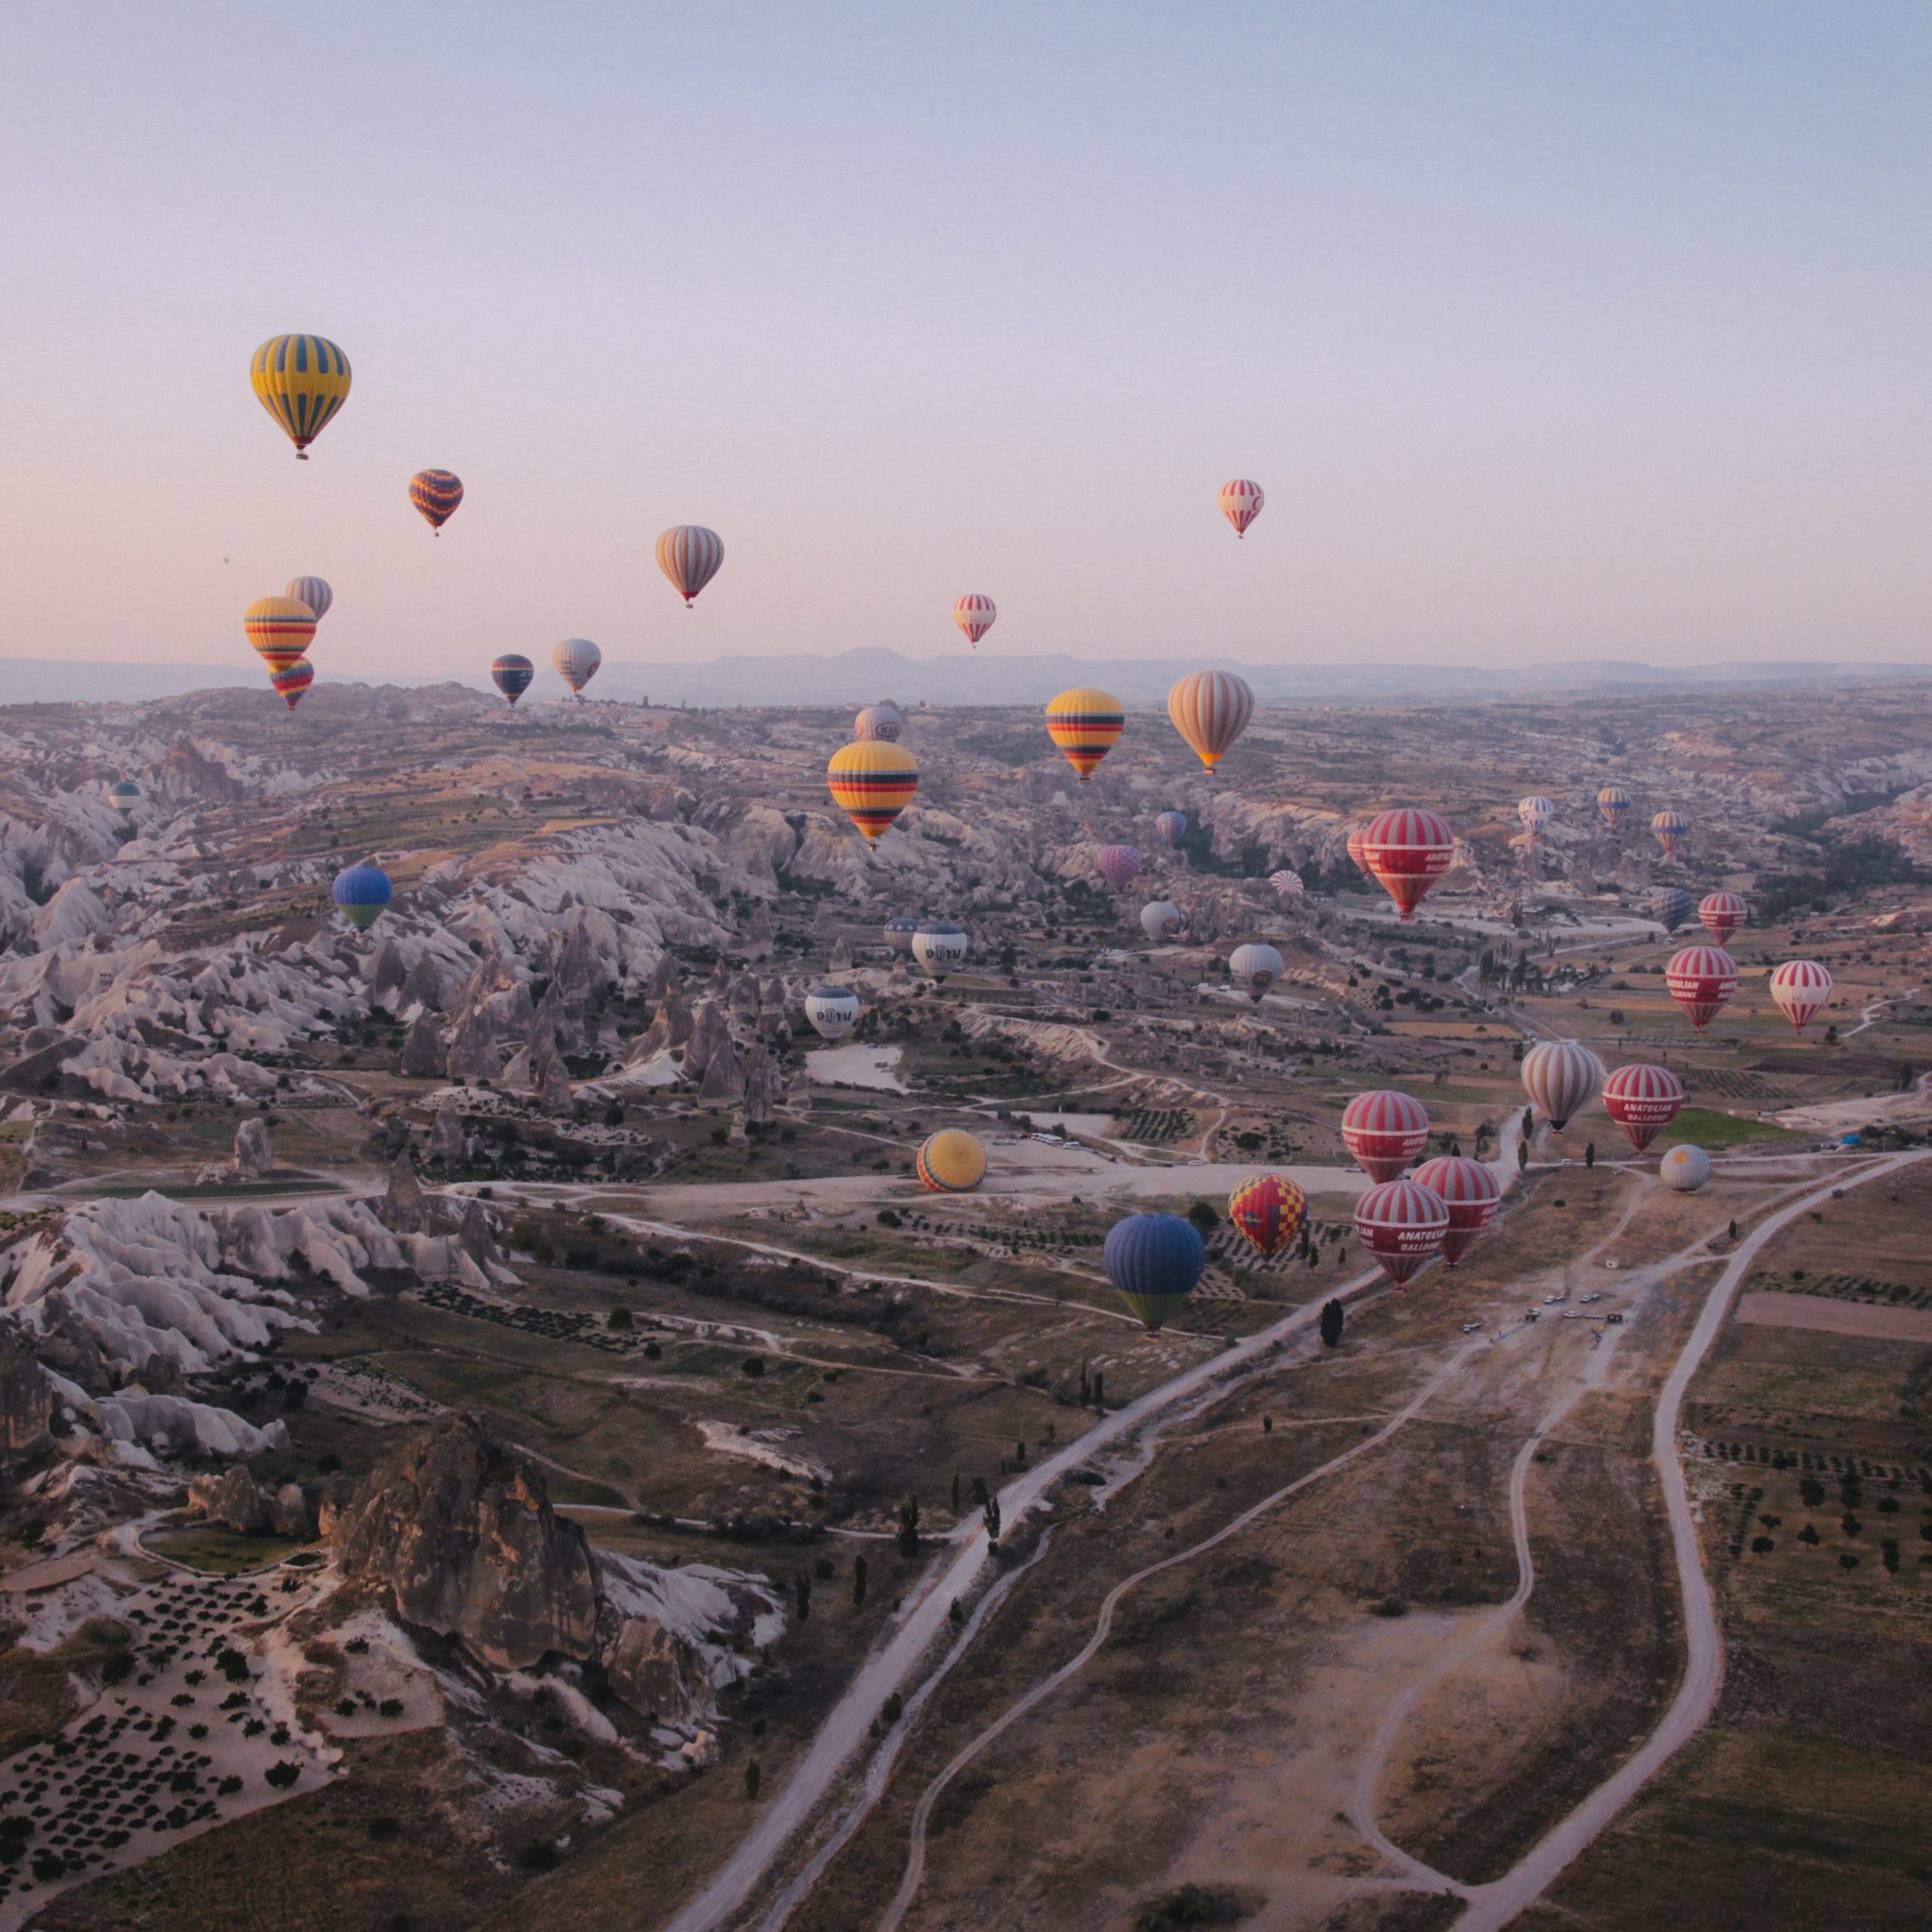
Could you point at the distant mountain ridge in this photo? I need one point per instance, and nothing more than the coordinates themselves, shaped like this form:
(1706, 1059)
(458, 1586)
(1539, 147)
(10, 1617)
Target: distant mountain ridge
(858, 676)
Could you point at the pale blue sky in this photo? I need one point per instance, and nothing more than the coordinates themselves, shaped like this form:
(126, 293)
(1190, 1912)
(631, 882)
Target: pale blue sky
(1550, 330)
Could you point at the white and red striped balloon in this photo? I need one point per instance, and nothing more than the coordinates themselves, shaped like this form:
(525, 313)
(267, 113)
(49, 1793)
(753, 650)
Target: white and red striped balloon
(689, 554)
(1722, 913)
(1643, 1100)
(1701, 979)
(1385, 1130)
(975, 615)
(1471, 1194)
(1404, 1226)
(1241, 503)
(1560, 1076)
(1803, 990)
(1287, 884)
(1211, 710)
(1408, 849)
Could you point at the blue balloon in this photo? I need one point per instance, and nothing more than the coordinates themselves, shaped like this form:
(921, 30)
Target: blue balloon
(362, 891)
(1154, 1261)
(1671, 905)
(511, 674)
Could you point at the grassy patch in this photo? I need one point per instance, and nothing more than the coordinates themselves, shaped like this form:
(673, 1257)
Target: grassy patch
(219, 1552)
(1740, 1826)
(1704, 1126)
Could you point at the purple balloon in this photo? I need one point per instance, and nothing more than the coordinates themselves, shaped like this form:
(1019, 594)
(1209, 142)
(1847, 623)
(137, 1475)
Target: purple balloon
(1119, 865)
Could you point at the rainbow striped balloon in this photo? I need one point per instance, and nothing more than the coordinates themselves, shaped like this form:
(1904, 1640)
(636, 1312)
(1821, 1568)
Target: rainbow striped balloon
(291, 683)
(872, 782)
(301, 381)
(1211, 710)
(280, 628)
(689, 554)
(1086, 724)
(435, 493)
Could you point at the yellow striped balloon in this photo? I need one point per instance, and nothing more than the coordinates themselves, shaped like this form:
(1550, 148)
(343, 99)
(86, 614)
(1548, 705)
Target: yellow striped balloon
(280, 629)
(872, 782)
(301, 381)
(951, 1162)
(1086, 724)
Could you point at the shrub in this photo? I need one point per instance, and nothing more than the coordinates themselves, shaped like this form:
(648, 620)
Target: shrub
(282, 1774)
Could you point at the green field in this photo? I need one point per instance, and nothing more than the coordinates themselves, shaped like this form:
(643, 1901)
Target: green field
(1704, 1126)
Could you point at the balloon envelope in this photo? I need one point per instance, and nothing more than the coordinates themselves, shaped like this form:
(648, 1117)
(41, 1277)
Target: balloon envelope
(312, 591)
(1118, 865)
(1086, 724)
(1613, 805)
(1408, 850)
(290, 682)
(1254, 968)
(362, 891)
(1211, 710)
(124, 794)
(435, 493)
(689, 554)
(1671, 905)
(1269, 1210)
(1385, 1130)
(898, 934)
(939, 946)
(1535, 812)
(1162, 920)
(1668, 827)
(1173, 828)
(872, 782)
(883, 720)
(1287, 884)
(1560, 1076)
(511, 674)
(1701, 979)
(833, 1011)
(280, 628)
(1685, 1167)
(1470, 1192)
(1803, 990)
(1241, 503)
(302, 381)
(1404, 1226)
(951, 1162)
(1722, 913)
(1154, 1262)
(575, 660)
(1643, 1100)
(975, 615)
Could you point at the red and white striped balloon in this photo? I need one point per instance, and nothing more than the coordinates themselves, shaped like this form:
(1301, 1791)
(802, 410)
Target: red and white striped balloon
(1471, 1194)
(1408, 849)
(1701, 979)
(1404, 1226)
(1803, 989)
(1722, 913)
(689, 554)
(1287, 884)
(1241, 503)
(1643, 1100)
(975, 615)
(1559, 1076)
(1385, 1130)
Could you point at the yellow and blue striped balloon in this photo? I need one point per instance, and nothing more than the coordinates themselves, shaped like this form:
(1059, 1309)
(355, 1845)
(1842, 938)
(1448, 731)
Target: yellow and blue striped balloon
(301, 381)
(872, 782)
(1086, 724)
(280, 629)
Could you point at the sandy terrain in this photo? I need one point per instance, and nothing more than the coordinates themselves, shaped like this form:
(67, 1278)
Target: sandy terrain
(1836, 1318)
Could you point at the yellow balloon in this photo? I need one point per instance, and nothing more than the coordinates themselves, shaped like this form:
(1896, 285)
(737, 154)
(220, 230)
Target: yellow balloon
(951, 1162)
(872, 782)
(301, 381)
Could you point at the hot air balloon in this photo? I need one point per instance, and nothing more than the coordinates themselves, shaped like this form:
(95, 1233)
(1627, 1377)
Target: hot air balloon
(689, 554)
(1643, 1100)
(951, 1162)
(1722, 913)
(1287, 884)
(1154, 1261)
(898, 934)
(1269, 1209)
(1118, 865)
(1560, 1076)
(1802, 989)
(290, 682)
(1408, 850)
(511, 674)
(1211, 710)
(1470, 1192)
(362, 891)
(1701, 978)
(939, 946)
(1241, 503)
(975, 615)
(1254, 968)
(1162, 920)
(1385, 1130)
(435, 493)
(280, 628)
(124, 794)
(832, 1010)
(872, 782)
(1535, 812)
(301, 381)
(1357, 838)
(1086, 724)
(575, 660)
(1671, 905)
(312, 591)
(1404, 1226)
(1173, 828)
(883, 721)
(1667, 828)
(1613, 805)
(1685, 1167)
